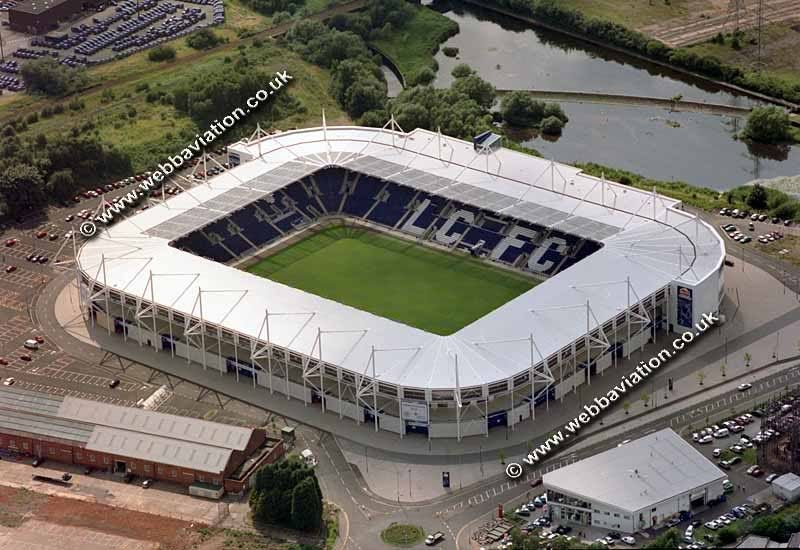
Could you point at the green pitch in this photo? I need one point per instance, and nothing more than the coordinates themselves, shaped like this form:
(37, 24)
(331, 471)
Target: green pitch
(435, 291)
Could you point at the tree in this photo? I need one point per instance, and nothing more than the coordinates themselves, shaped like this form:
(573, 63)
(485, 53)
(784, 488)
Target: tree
(61, 184)
(520, 109)
(46, 76)
(552, 126)
(22, 189)
(626, 406)
(722, 369)
(768, 125)
(306, 506)
(645, 398)
(502, 457)
(423, 77)
(747, 358)
(757, 197)
(555, 110)
(475, 88)
(701, 376)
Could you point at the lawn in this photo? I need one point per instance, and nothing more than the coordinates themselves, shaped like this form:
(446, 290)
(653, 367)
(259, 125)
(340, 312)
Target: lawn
(402, 535)
(412, 47)
(435, 291)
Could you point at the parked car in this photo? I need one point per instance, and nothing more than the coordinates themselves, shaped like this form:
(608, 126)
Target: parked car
(435, 538)
(744, 387)
(11, 242)
(11, 268)
(9, 381)
(705, 439)
(716, 452)
(114, 383)
(37, 462)
(147, 483)
(770, 478)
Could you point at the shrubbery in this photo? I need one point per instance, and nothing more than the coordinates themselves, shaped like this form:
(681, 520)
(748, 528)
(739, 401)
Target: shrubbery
(204, 39)
(46, 76)
(161, 53)
(520, 109)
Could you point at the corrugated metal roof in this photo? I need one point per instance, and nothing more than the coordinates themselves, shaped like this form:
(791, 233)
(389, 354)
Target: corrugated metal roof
(182, 428)
(24, 400)
(162, 450)
(638, 474)
(45, 426)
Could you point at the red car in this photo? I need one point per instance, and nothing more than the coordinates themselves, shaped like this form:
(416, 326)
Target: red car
(3, 361)
(11, 268)
(26, 357)
(39, 339)
(41, 234)
(11, 242)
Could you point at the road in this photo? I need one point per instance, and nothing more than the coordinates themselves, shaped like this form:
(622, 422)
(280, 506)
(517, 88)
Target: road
(460, 514)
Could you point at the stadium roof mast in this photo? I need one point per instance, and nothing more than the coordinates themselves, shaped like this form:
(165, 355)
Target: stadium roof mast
(601, 340)
(266, 351)
(309, 370)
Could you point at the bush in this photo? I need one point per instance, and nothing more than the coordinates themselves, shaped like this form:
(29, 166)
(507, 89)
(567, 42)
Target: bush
(161, 53)
(47, 112)
(520, 109)
(727, 535)
(32, 118)
(757, 198)
(76, 105)
(58, 108)
(450, 51)
(552, 126)
(768, 125)
(204, 39)
(461, 70)
(423, 77)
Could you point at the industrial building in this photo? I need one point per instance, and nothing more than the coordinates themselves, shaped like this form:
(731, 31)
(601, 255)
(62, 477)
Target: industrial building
(641, 484)
(42, 16)
(126, 440)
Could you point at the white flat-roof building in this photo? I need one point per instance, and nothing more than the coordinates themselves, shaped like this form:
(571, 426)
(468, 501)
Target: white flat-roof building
(635, 486)
(787, 487)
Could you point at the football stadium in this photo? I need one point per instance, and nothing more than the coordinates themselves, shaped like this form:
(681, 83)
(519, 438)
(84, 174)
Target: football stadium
(418, 283)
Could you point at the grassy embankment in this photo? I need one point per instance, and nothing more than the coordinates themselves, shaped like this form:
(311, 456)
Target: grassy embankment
(121, 114)
(412, 48)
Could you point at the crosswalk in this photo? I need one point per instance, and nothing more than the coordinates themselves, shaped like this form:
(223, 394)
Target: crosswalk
(493, 492)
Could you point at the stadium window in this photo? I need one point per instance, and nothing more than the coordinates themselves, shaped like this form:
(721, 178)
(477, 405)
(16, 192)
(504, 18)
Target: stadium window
(347, 377)
(115, 295)
(331, 371)
(521, 379)
(51, 450)
(498, 387)
(442, 395)
(471, 393)
(419, 395)
(177, 318)
(387, 389)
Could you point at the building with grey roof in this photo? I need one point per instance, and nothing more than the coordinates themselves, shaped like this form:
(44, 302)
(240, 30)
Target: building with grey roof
(634, 486)
(127, 440)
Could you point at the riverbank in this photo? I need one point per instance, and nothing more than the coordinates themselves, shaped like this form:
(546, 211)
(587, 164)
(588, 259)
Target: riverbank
(409, 50)
(658, 58)
(626, 99)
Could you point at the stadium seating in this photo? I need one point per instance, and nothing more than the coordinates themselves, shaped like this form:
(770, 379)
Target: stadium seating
(393, 206)
(334, 190)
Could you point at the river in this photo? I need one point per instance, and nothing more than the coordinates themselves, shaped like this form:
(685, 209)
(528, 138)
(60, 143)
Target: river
(697, 148)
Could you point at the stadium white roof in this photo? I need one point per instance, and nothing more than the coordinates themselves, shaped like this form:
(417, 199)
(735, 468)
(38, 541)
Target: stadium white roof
(645, 236)
(638, 474)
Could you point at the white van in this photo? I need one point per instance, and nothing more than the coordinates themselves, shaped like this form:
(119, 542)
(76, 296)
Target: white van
(687, 535)
(309, 458)
(722, 432)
